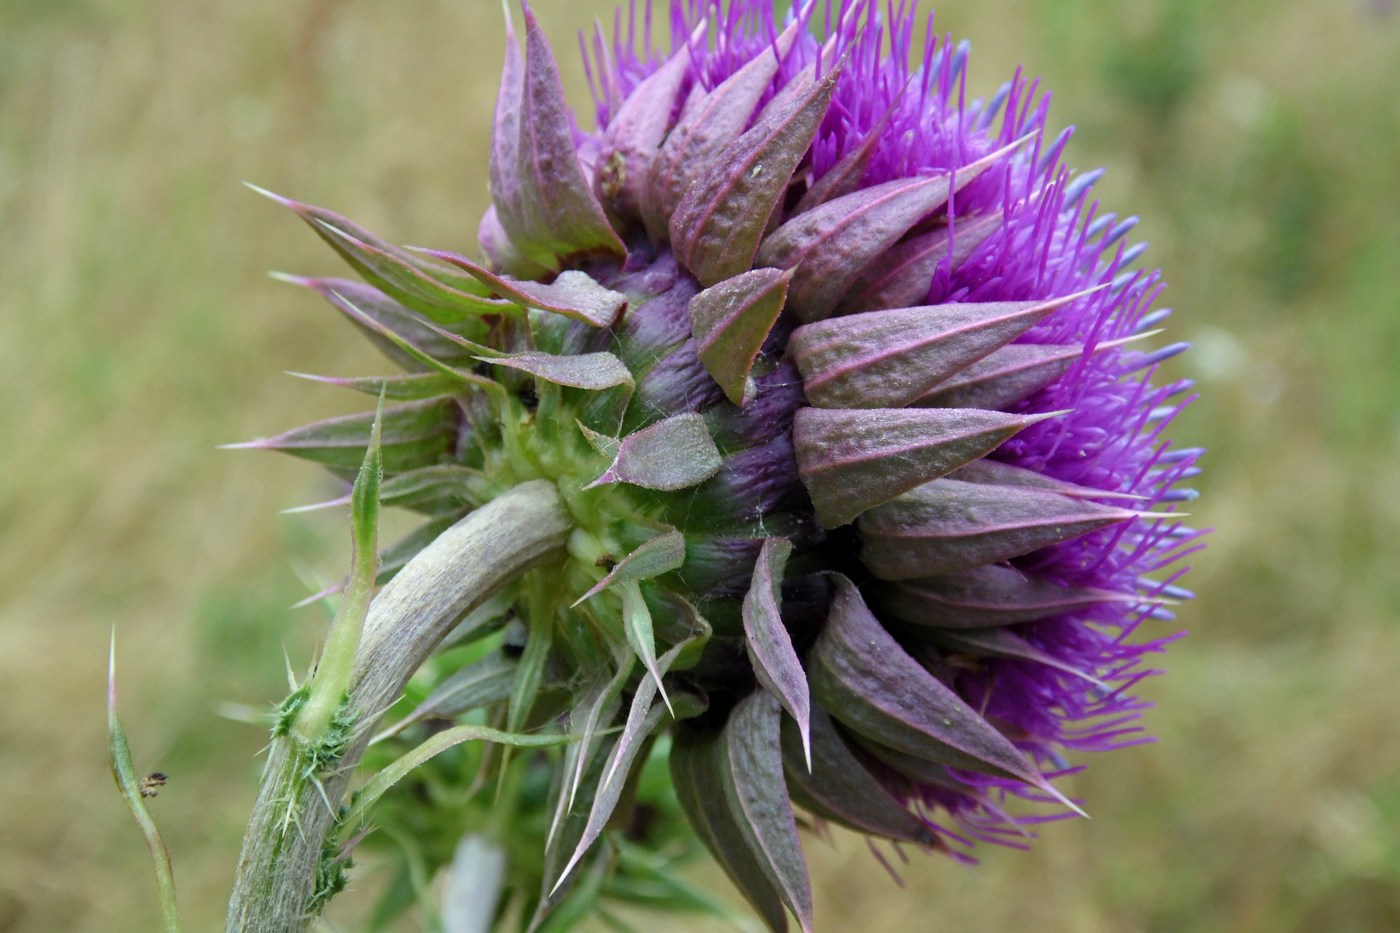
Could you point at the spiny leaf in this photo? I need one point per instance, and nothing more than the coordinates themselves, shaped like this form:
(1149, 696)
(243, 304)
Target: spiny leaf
(642, 720)
(591, 371)
(834, 784)
(891, 358)
(432, 490)
(542, 198)
(718, 223)
(984, 597)
(948, 525)
(854, 459)
(415, 434)
(573, 293)
(902, 276)
(427, 287)
(417, 354)
(411, 387)
(731, 320)
(672, 454)
(831, 245)
(768, 643)
(599, 704)
(861, 675)
(708, 125)
(662, 554)
(636, 621)
(389, 315)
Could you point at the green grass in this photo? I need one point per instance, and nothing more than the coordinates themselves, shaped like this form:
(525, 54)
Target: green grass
(1258, 139)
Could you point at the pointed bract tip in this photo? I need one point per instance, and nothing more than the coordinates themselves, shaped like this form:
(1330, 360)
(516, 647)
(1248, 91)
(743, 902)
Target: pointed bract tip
(315, 506)
(312, 377)
(1046, 416)
(272, 195)
(1060, 798)
(288, 278)
(991, 158)
(260, 444)
(112, 672)
(316, 597)
(337, 232)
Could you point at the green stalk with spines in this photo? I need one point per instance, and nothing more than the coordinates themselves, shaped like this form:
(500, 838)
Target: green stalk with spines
(330, 684)
(292, 858)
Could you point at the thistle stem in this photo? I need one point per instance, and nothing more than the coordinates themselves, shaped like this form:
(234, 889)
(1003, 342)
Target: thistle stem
(289, 856)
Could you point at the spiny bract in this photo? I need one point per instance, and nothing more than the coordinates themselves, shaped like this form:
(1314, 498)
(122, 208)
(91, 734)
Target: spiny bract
(841, 380)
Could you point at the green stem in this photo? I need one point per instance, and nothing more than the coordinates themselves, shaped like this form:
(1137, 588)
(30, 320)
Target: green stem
(288, 849)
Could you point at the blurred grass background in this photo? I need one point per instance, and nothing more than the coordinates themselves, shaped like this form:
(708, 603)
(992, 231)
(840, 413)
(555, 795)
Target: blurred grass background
(1258, 139)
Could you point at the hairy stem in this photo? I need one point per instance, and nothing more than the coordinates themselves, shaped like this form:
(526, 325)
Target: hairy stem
(288, 855)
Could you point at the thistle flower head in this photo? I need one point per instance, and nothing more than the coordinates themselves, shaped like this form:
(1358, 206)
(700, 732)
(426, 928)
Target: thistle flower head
(844, 382)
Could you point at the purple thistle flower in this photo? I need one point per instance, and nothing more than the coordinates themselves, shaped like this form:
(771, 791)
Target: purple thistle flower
(843, 380)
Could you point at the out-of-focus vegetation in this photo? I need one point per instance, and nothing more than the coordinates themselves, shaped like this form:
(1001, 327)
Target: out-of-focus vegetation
(1258, 139)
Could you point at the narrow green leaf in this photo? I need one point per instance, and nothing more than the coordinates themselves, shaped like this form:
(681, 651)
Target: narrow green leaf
(439, 743)
(636, 620)
(530, 672)
(662, 554)
(331, 682)
(130, 786)
(642, 720)
(481, 683)
(599, 704)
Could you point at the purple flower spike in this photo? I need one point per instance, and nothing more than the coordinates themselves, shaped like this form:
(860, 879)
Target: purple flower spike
(845, 385)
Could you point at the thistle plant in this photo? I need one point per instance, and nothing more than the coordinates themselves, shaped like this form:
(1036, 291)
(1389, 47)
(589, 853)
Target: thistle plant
(790, 454)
